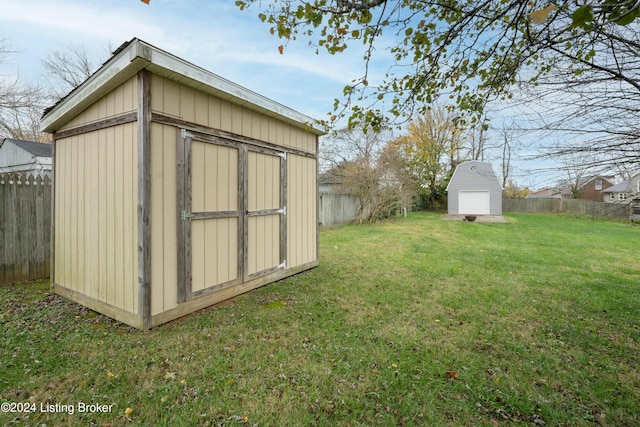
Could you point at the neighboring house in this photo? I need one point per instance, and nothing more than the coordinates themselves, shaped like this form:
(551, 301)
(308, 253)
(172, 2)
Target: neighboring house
(546, 193)
(623, 192)
(591, 187)
(25, 156)
(587, 188)
(474, 189)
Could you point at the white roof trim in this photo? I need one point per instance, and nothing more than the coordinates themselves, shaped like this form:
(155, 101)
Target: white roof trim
(138, 55)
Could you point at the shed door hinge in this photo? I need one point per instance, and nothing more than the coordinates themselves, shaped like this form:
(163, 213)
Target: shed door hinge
(184, 215)
(184, 134)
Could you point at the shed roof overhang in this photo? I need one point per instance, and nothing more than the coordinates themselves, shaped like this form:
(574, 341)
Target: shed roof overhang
(137, 55)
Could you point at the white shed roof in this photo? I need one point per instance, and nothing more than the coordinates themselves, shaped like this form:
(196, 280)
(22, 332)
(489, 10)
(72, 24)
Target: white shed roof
(136, 55)
(480, 169)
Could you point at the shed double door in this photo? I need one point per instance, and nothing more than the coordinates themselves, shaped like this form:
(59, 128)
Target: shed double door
(232, 213)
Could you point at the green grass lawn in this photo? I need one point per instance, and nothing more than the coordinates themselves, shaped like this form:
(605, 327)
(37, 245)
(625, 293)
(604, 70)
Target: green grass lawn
(416, 321)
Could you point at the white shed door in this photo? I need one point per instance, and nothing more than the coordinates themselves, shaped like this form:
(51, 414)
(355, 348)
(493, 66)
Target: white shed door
(474, 202)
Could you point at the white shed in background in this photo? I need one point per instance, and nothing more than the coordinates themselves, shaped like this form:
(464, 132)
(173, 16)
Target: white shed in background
(474, 189)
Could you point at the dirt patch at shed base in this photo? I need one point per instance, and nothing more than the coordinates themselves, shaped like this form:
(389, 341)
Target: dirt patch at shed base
(479, 218)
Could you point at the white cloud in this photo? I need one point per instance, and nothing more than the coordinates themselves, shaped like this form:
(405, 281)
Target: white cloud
(79, 21)
(214, 35)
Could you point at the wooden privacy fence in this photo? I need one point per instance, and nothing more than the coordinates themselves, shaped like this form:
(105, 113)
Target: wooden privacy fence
(336, 209)
(570, 206)
(25, 227)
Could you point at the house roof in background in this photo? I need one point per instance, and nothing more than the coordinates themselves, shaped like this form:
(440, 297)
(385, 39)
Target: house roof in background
(36, 148)
(137, 55)
(623, 187)
(547, 193)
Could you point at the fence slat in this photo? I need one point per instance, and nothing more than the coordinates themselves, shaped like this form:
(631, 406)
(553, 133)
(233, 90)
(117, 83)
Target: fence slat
(11, 238)
(3, 232)
(31, 213)
(336, 209)
(25, 229)
(570, 206)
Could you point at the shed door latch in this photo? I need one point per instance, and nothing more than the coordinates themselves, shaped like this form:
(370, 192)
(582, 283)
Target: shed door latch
(186, 215)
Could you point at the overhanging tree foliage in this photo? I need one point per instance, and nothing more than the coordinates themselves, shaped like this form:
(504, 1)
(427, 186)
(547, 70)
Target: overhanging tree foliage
(469, 50)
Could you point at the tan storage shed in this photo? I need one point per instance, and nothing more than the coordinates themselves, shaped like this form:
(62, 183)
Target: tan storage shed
(175, 189)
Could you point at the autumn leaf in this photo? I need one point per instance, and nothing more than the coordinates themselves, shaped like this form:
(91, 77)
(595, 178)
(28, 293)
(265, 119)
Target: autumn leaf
(281, 49)
(145, 1)
(539, 16)
(451, 375)
(110, 374)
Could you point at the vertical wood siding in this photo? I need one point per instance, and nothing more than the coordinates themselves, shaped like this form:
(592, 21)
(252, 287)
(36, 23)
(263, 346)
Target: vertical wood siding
(301, 211)
(121, 100)
(263, 192)
(164, 217)
(264, 243)
(264, 181)
(214, 188)
(96, 217)
(186, 103)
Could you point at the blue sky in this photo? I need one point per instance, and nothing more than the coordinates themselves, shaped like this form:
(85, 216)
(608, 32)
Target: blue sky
(212, 34)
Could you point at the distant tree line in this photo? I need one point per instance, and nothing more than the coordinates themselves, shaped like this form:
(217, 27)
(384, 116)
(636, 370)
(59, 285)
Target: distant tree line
(389, 173)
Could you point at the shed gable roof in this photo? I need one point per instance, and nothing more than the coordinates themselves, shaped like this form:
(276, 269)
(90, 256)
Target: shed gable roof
(482, 169)
(136, 55)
